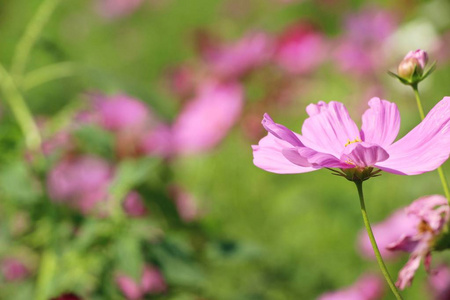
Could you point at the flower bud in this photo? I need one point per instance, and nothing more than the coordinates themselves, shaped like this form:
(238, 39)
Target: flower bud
(420, 55)
(409, 67)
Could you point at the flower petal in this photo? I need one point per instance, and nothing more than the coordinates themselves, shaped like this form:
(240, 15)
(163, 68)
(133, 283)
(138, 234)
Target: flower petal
(328, 128)
(380, 123)
(268, 156)
(364, 154)
(424, 148)
(280, 131)
(303, 156)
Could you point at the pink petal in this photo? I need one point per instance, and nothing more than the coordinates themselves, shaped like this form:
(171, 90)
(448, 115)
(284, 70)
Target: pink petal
(329, 129)
(268, 156)
(280, 131)
(424, 148)
(304, 156)
(364, 154)
(380, 123)
(406, 274)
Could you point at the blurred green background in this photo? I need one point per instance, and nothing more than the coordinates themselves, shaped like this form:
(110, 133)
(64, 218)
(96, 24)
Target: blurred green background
(262, 235)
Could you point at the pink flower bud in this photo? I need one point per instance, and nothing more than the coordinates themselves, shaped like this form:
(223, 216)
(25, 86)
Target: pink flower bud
(413, 64)
(408, 67)
(420, 55)
(130, 289)
(152, 282)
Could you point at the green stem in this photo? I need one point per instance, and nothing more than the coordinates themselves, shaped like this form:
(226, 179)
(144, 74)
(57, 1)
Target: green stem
(47, 73)
(30, 36)
(374, 243)
(20, 110)
(419, 103)
(46, 271)
(440, 170)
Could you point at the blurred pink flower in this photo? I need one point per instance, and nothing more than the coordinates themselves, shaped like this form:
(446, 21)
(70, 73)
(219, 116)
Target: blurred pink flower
(368, 287)
(186, 204)
(117, 8)
(439, 281)
(207, 118)
(386, 233)
(80, 181)
(236, 60)
(300, 49)
(134, 206)
(331, 139)
(151, 282)
(431, 214)
(157, 141)
(359, 50)
(120, 112)
(14, 270)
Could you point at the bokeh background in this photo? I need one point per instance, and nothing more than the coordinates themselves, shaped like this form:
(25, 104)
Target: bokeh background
(145, 187)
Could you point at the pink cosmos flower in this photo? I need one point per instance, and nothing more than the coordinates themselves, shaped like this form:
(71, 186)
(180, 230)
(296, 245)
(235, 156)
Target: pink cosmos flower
(14, 270)
(431, 213)
(235, 60)
(386, 233)
(151, 282)
(300, 49)
(331, 139)
(206, 119)
(120, 112)
(368, 287)
(439, 282)
(117, 8)
(81, 181)
(134, 206)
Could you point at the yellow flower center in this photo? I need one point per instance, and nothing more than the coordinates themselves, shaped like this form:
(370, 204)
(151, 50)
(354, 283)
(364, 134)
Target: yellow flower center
(357, 140)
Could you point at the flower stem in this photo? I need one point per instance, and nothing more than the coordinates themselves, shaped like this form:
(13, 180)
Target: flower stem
(20, 110)
(374, 243)
(440, 170)
(30, 36)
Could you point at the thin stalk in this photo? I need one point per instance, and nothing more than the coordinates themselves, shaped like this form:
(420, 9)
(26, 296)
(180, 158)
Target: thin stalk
(20, 110)
(46, 272)
(374, 243)
(47, 73)
(440, 170)
(30, 37)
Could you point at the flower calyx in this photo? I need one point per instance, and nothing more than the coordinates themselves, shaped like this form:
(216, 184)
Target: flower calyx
(356, 174)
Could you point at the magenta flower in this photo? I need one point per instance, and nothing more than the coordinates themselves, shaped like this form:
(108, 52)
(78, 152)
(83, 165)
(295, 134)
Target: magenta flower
(360, 49)
(82, 182)
(368, 287)
(386, 233)
(157, 141)
(206, 119)
(430, 215)
(120, 112)
(439, 281)
(300, 49)
(151, 282)
(236, 60)
(134, 206)
(331, 139)
(13, 269)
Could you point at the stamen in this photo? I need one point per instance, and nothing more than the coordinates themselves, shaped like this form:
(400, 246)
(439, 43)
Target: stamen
(357, 140)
